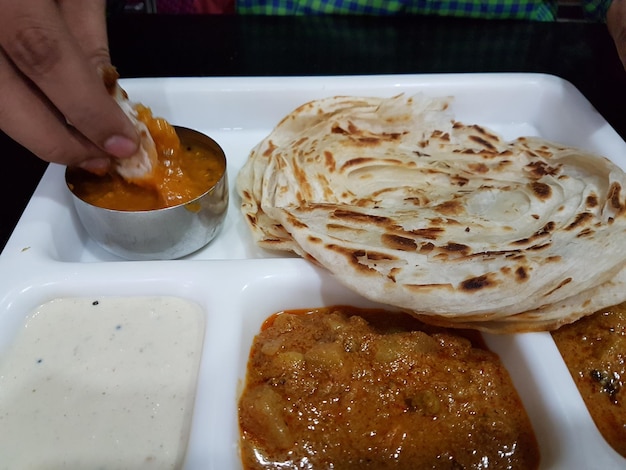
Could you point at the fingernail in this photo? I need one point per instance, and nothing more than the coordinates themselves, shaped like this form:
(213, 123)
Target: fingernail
(120, 146)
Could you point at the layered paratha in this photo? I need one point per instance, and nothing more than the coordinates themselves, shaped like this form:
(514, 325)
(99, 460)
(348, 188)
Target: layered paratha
(447, 220)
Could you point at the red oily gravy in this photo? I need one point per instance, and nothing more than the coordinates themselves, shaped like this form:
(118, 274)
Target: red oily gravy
(594, 349)
(340, 387)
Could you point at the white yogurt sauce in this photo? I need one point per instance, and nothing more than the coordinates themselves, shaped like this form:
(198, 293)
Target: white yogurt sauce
(101, 384)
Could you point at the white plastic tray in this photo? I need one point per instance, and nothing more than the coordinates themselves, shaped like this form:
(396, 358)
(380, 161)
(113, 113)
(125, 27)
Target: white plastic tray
(49, 255)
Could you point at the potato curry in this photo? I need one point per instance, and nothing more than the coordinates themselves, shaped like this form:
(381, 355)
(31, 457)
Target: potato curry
(344, 388)
(594, 349)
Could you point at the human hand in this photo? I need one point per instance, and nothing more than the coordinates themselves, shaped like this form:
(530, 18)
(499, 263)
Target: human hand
(616, 24)
(51, 52)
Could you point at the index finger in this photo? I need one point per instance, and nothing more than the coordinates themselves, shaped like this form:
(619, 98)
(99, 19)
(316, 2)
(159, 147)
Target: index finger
(37, 40)
(86, 21)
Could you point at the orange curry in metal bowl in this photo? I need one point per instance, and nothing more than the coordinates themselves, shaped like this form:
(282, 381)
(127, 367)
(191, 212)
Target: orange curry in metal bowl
(594, 349)
(340, 387)
(185, 171)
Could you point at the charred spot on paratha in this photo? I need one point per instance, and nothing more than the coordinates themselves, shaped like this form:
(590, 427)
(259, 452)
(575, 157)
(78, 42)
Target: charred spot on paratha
(478, 283)
(541, 190)
(397, 242)
(580, 220)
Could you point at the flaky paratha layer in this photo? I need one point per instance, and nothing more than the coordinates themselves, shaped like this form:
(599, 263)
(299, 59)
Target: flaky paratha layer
(410, 208)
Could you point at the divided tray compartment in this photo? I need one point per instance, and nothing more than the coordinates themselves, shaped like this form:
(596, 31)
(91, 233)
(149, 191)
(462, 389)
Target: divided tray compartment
(239, 285)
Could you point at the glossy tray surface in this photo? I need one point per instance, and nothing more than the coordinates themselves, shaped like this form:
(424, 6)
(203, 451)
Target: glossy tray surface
(238, 285)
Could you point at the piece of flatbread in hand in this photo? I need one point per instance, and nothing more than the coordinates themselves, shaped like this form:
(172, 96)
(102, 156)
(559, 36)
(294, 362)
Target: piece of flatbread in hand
(138, 168)
(448, 221)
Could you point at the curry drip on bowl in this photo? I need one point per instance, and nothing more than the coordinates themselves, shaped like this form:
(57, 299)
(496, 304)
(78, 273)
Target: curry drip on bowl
(594, 349)
(348, 388)
(185, 171)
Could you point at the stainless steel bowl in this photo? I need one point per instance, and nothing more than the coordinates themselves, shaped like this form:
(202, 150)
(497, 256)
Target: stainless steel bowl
(168, 233)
